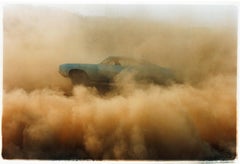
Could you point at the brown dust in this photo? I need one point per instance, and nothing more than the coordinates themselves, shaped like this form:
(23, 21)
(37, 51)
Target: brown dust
(192, 120)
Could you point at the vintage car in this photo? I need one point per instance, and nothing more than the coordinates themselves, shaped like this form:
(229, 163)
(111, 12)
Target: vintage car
(106, 71)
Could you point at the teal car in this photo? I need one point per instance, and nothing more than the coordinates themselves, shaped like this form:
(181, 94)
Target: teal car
(106, 71)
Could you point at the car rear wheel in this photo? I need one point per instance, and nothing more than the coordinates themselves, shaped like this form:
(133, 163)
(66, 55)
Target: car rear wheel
(78, 77)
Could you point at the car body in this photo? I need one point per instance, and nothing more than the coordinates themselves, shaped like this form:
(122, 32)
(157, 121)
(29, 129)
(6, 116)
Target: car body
(106, 71)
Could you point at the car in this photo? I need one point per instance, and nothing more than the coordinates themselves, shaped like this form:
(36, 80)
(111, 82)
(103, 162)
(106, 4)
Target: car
(106, 71)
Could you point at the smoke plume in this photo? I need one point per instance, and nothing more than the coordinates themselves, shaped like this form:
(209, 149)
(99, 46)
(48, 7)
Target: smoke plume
(41, 120)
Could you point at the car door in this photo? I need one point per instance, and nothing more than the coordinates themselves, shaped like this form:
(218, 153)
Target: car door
(107, 72)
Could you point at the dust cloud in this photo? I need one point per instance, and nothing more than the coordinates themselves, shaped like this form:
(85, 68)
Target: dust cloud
(195, 120)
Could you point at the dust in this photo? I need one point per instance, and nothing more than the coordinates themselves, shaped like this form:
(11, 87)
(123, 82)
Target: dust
(192, 120)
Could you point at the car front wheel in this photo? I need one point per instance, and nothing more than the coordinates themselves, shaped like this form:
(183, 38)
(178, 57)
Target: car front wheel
(78, 77)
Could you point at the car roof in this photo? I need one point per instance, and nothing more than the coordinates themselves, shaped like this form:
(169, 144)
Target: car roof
(119, 58)
(126, 58)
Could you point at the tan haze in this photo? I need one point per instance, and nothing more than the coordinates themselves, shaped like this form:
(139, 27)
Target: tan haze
(192, 120)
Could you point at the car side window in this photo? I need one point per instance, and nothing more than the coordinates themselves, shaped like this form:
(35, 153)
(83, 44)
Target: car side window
(116, 62)
(127, 62)
(111, 62)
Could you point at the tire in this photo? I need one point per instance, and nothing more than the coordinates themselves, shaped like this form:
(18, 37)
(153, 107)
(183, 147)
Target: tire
(78, 77)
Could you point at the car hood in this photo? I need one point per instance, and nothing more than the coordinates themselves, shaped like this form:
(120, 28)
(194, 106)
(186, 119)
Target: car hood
(65, 68)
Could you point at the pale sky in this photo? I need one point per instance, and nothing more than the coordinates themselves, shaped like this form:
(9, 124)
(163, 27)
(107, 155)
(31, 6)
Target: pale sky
(206, 15)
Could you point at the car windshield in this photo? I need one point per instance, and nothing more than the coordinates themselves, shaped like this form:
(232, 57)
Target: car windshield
(122, 61)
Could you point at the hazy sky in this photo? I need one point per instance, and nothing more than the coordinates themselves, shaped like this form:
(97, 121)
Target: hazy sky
(197, 14)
